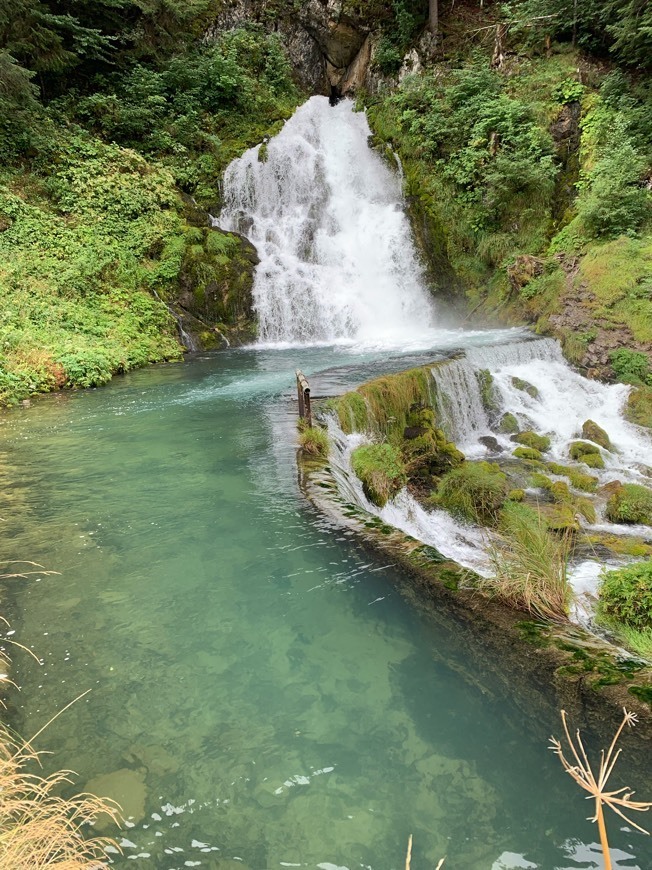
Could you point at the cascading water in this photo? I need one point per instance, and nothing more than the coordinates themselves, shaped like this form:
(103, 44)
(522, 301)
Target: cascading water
(337, 260)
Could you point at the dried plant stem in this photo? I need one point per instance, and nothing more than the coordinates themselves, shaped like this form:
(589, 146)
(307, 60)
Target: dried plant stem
(604, 842)
(408, 857)
(579, 769)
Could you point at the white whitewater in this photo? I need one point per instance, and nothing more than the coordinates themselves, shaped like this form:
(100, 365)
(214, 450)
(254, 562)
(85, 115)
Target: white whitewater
(325, 212)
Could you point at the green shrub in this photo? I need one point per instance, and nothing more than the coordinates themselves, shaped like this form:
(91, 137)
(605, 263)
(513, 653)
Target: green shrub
(626, 595)
(631, 366)
(475, 491)
(630, 503)
(89, 368)
(531, 439)
(381, 470)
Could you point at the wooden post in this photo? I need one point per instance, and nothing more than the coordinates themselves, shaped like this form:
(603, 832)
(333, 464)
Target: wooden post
(303, 395)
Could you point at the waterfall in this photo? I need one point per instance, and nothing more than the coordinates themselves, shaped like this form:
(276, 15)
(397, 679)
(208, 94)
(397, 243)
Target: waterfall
(325, 212)
(532, 381)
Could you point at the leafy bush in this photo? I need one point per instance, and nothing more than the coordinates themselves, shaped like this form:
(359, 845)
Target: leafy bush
(630, 503)
(381, 470)
(631, 366)
(475, 491)
(626, 595)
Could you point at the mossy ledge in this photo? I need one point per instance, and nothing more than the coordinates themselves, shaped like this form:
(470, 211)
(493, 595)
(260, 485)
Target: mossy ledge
(538, 667)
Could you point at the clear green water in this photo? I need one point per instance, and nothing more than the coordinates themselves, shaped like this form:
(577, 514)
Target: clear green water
(256, 669)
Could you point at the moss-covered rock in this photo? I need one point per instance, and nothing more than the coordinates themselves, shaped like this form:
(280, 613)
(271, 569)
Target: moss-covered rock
(516, 495)
(508, 424)
(475, 491)
(487, 392)
(630, 503)
(639, 406)
(592, 432)
(587, 453)
(525, 387)
(216, 280)
(532, 439)
(578, 479)
(559, 517)
(528, 453)
(381, 471)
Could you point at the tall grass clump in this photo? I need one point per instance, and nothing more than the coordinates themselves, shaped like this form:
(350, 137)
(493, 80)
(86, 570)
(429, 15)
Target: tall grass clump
(530, 565)
(38, 828)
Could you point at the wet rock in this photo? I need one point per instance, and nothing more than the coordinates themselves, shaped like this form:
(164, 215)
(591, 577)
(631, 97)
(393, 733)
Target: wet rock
(490, 443)
(592, 432)
(532, 439)
(508, 424)
(127, 788)
(525, 387)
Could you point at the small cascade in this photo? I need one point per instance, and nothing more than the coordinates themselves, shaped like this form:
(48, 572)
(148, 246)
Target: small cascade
(459, 401)
(326, 214)
(532, 381)
(465, 544)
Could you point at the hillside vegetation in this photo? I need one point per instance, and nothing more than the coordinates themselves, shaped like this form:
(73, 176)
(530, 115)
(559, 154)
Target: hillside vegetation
(525, 131)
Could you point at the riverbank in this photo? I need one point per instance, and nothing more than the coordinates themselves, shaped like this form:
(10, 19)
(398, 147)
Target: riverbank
(391, 474)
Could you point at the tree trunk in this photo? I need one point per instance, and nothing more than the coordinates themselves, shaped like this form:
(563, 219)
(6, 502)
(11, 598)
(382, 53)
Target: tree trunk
(433, 19)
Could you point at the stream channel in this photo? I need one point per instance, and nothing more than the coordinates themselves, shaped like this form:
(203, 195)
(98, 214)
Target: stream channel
(263, 694)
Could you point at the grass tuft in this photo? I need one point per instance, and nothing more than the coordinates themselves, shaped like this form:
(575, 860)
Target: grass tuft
(530, 565)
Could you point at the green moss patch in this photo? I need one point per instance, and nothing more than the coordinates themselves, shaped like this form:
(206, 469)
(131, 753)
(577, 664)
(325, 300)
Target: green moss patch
(475, 491)
(381, 470)
(531, 439)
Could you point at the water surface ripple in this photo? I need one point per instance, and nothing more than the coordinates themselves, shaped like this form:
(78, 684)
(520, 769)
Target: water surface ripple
(258, 679)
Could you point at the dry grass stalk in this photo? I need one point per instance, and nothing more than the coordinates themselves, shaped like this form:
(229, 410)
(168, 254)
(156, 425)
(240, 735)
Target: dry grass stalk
(39, 829)
(581, 772)
(408, 857)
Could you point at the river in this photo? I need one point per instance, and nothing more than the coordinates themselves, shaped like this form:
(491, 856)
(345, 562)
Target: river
(263, 695)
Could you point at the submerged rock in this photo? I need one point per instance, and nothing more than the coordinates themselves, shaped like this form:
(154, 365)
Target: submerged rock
(127, 788)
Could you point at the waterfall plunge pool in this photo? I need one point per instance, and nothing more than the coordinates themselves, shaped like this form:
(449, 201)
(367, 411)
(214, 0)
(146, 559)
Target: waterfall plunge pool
(269, 697)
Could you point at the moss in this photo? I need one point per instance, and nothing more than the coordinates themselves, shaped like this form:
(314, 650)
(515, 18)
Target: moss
(621, 545)
(578, 479)
(559, 517)
(381, 470)
(516, 495)
(527, 453)
(487, 394)
(643, 693)
(630, 503)
(592, 432)
(593, 460)
(639, 406)
(540, 481)
(587, 453)
(351, 412)
(508, 424)
(531, 439)
(475, 491)
(525, 387)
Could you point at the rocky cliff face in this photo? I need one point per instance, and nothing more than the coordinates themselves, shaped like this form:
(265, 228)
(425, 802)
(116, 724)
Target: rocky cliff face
(329, 42)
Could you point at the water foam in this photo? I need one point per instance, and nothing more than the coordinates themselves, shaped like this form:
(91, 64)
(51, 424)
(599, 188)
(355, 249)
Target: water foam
(337, 259)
